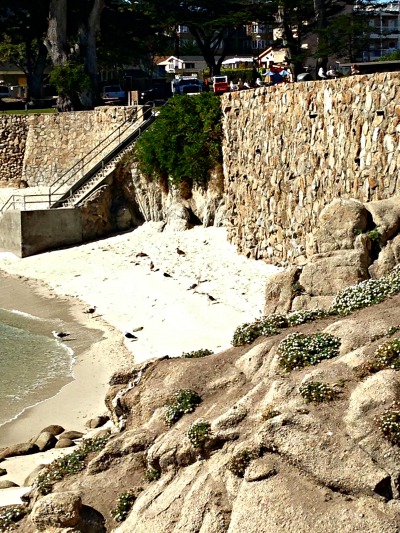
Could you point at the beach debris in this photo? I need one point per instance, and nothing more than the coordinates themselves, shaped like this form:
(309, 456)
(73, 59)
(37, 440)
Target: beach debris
(130, 335)
(166, 275)
(60, 334)
(211, 298)
(180, 252)
(90, 310)
(193, 286)
(139, 328)
(141, 254)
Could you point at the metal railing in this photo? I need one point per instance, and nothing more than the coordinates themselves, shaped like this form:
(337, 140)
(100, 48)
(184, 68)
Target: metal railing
(84, 169)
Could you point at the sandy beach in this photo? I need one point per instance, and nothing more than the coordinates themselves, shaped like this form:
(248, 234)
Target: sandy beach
(187, 290)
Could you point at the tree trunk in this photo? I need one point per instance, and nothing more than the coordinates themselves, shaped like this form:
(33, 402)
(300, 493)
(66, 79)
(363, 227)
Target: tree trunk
(320, 19)
(35, 70)
(56, 38)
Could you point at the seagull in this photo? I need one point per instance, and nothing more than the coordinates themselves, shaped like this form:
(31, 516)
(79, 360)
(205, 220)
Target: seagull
(141, 254)
(211, 298)
(321, 73)
(193, 286)
(130, 335)
(90, 310)
(180, 252)
(60, 334)
(166, 275)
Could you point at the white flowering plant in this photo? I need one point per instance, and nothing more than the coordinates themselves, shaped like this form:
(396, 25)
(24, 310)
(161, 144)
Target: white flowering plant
(124, 505)
(183, 401)
(298, 350)
(11, 514)
(198, 433)
(389, 423)
(317, 392)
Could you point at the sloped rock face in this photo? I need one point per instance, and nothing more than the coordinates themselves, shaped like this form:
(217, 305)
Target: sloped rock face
(353, 242)
(312, 467)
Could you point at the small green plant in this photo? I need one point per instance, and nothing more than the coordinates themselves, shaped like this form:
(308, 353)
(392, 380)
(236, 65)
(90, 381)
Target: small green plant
(389, 423)
(299, 350)
(68, 465)
(374, 235)
(317, 392)
(269, 413)
(151, 474)
(198, 433)
(124, 505)
(184, 401)
(197, 353)
(11, 514)
(387, 355)
(240, 461)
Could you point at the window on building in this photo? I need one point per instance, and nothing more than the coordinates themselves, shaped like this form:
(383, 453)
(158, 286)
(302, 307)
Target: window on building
(189, 65)
(183, 29)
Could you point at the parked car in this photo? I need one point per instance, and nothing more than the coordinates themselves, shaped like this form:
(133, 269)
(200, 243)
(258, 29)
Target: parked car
(5, 91)
(113, 94)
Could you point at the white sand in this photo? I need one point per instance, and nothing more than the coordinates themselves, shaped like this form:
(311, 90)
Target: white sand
(129, 294)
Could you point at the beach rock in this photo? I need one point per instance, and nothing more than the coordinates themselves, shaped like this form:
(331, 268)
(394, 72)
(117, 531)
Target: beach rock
(33, 475)
(73, 435)
(6, 484)
(102, 433)
(64, 443)
(25, 448)
(3, 471)
(61, 512)
(53, 429)
(98, 421)
(57, 510)
(45, 441)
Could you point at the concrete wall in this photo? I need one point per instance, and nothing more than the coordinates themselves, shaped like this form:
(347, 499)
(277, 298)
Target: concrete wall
(26, 233)
(290, 149)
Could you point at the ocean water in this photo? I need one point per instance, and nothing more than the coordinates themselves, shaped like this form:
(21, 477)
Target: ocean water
(34, 365)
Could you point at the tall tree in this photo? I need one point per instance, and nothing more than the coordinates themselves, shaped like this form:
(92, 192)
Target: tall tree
(22, 30)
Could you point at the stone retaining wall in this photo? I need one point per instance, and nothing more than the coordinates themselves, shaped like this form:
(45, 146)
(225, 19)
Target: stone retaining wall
(290, 149)
(56, 142)
(13, 134)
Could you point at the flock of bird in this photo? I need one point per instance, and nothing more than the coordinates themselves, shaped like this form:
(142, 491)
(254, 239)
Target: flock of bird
(62, 335)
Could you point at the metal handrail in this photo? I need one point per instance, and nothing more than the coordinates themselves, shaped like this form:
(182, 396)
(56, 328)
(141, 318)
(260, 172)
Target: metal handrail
(50, 200)
(80, 164)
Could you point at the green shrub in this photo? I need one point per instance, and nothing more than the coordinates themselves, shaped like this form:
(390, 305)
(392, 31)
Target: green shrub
(184, 143)
(317, 392)
(389, 423)
(387, 355)
(264, 326)
(198, 433)
(197, 353)
(68, 465)
(272, 324)
(299, 350)
(240, 461)
(184, 401)
(366, 293)
(124, 505)
(11, 514)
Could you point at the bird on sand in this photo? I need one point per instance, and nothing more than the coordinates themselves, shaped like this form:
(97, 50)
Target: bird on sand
(60, 334)
(90, 310)
(130, 335)
(180, 252)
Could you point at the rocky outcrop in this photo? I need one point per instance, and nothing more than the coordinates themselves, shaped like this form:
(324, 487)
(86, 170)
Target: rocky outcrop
(271, 461)
(353, 242)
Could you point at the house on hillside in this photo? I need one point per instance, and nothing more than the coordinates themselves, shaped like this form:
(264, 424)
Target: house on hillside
(183, 65)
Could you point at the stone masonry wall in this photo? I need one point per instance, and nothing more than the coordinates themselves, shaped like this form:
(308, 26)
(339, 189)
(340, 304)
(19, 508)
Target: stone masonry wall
(290, 149)
(56, 142)
(13, 133)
